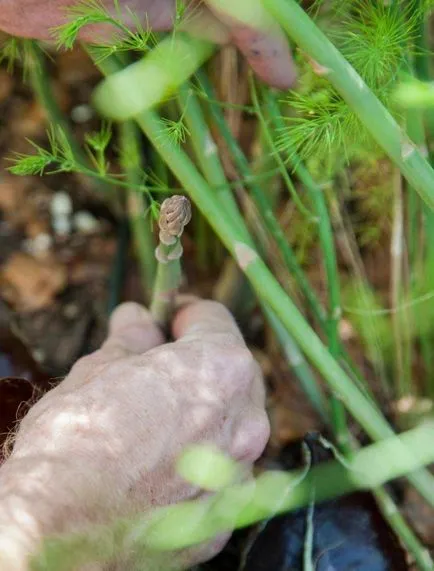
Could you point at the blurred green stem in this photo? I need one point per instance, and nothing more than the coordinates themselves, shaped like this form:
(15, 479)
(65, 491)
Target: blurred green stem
(416, 120)
(391, 511)
(401, 333)
(138, 206)
(41, 84)
(273, 493)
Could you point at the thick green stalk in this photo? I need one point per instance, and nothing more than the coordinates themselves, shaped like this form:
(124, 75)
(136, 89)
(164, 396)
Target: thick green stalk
(270, 292)
(420, 68)
(391, 511)
(373, 115)
(41, 85)
(207, 155)
(137, 205)
(401, 333)
(264, 206)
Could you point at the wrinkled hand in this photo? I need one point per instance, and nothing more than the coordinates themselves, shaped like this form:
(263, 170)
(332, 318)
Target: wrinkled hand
(104, 443)
(253, 32)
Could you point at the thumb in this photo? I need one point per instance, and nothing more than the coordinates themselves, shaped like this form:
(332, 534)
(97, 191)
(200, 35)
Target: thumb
(132, 331)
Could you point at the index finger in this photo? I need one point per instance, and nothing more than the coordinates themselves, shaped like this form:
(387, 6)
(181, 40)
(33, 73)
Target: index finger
(206, 319)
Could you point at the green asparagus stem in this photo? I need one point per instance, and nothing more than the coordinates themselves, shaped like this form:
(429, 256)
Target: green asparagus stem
(175, 214)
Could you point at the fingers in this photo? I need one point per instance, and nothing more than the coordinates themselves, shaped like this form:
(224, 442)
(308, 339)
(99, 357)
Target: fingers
(132, 331)
(206, 319)
(259, 37)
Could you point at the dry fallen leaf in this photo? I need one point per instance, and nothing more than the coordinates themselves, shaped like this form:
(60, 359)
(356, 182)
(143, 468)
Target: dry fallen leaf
(29, 284)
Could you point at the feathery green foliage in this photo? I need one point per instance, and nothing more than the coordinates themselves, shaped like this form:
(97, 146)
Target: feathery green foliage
(123, 29)
(59, 158)
(374, 37)
(16, 51)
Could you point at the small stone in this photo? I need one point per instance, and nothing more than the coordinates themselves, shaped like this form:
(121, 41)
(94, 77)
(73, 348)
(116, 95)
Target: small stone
(62, 225)
(346, 330)
(38, 355)
(61, 204)
(70, 311)
(39, 245)
(85, 222)
(81, 113)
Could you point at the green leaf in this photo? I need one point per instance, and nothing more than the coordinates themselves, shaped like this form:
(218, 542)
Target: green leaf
(208, 468)
(414, 94)
(30, 164)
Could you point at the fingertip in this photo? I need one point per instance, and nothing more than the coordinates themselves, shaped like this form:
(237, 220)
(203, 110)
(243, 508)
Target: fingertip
(269, 56)
(204, 318)
(127, 314)
(133, 328)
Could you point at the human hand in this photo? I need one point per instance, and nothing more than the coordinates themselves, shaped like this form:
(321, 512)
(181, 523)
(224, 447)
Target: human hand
(251, 29)
(104, 443)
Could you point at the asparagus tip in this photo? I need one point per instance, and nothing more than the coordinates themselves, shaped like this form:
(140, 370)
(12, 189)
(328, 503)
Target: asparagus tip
(175, 214)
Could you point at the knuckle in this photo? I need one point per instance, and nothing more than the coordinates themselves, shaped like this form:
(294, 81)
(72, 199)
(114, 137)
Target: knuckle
(243, 368)
(252, 438)
(243, 360)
